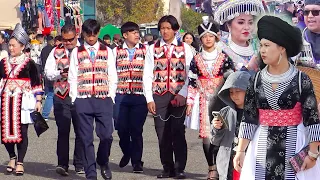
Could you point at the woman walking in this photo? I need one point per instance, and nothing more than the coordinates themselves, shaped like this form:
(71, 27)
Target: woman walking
(280, 114)
(20, 95)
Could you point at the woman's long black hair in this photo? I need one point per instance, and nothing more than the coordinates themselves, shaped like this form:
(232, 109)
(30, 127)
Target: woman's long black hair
(194, 42)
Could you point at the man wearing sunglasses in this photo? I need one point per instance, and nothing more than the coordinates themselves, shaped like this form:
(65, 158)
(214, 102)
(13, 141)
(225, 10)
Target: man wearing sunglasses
(56, 69)
(311, 34)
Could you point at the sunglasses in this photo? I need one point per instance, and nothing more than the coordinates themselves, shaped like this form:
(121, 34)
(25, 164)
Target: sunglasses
(68, 40)
(313, 12)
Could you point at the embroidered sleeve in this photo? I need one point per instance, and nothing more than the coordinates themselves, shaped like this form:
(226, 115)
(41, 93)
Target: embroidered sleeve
(250, 117)
(309, 108)
(35, 78)
(193, 77)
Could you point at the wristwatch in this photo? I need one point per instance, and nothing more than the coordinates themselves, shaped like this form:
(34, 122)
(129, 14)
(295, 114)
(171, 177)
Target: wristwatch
(313, 155)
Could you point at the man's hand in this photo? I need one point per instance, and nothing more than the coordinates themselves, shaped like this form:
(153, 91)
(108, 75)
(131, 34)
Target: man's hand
(189, 110)
(152, 107)
(217, 123)
(63, 74)
(180, 100)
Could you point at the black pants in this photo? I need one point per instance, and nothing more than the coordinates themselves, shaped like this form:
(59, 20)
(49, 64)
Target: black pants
(21, 147)
(100, 111)
(171, 133)
(65, 113)
(131, 118)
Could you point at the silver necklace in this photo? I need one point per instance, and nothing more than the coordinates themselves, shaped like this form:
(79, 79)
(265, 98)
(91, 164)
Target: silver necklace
(240, 50)
(277, 79)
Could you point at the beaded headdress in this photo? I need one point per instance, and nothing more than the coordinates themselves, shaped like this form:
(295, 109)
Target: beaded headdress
(20, 34)
(233, 8)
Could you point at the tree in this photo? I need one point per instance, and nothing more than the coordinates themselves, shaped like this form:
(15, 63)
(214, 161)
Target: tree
(144, 11)
(111, 11)
(119, 11)
(190, 20)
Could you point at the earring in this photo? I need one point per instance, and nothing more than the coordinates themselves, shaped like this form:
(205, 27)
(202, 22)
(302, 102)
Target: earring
(280, 58)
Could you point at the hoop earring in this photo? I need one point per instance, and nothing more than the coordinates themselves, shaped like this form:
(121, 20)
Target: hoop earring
(280, 58)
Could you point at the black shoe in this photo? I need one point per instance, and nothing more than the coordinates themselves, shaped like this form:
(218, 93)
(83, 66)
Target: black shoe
(106, 172)
(166, 174)
(180, 175)
(80, 170)
(124, 161)
(62, 171)
(138, 168)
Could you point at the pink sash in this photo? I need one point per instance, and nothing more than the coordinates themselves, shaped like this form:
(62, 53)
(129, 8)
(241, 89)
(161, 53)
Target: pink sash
(286, 117)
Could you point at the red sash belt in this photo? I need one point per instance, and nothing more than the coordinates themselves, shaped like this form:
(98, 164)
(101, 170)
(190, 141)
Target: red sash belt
(285, 117)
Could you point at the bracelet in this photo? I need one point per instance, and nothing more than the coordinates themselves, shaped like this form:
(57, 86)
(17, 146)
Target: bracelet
(312, 158)
(39, 101)
(313, 155)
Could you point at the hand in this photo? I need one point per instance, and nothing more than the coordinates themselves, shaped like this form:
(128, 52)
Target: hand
(238, 161)
(180, 100)
(217, 123)
(63, 74)
(308, 163)
(152, 107)
(189, 110)
(38, 106)
(253, 63)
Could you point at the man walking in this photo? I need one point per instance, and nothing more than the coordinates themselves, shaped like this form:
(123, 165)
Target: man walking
(165, 86)
(56, 69)
(93, 83)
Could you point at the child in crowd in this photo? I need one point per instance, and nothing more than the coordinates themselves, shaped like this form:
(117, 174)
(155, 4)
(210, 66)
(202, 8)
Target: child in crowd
(225, 130)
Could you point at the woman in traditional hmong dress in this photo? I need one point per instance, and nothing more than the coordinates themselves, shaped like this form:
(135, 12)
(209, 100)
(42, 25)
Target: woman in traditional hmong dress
(238, 18)
(206, 76)
(280, 114)
(20, 95)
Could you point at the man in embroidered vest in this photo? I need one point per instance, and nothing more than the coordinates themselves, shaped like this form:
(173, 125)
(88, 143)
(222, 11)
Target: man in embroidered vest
(56, 69)
(93, 84)
(165, 86)
(131, 105)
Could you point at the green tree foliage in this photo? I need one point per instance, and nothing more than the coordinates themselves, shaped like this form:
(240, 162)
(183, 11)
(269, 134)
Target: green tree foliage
(120, 11)
(190, 20)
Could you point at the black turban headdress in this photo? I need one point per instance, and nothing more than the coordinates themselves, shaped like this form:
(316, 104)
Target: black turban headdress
(280, 32)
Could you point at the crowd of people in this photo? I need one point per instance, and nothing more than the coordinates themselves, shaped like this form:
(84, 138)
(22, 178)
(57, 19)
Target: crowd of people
(239, 83)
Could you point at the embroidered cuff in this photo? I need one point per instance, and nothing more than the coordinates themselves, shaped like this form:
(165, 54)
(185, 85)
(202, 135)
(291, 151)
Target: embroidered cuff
(190, 101)
(39, 93)
(192, 92)
(37, 89)
(314, 133)
(247, 130)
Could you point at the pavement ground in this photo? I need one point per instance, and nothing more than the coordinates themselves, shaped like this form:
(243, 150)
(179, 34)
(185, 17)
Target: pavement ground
(41, 159)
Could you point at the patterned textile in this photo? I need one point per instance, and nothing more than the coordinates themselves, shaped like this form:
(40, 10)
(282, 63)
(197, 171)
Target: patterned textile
(276, 144)
(19, 76)
(130, 72)
(49, 10)
(287, 117)
(93, 76)
(169, 69)
(61, 86)
(206, 80)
